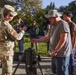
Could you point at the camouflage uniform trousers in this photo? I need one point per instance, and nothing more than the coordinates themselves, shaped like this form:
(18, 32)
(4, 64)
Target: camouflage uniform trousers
(7, 63)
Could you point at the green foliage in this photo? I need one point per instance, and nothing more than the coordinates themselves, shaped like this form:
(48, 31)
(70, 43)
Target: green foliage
(30, 10)
(40, 19)
(51, 6)
(33, 11)
(71, 7)
(42, 46)
(26, 40)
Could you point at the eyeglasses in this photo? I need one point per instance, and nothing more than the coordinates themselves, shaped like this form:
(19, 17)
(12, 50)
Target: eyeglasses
(34, 22)
(10, 15)
(50, 18)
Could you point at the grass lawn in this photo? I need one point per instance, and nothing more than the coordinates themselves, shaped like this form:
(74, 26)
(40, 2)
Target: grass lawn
(42, 46)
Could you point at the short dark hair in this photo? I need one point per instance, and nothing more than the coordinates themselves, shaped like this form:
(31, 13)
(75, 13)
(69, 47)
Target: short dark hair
(5, 12)
(68, 13)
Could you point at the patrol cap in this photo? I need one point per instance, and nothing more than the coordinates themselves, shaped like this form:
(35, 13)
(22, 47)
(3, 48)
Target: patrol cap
(10, 10)
(13, 13)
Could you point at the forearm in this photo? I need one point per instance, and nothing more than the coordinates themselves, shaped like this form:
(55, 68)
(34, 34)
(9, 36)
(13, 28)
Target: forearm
(61, 42)
(73, 42)
(17, 36)
(43, 39)
(20, 35)
(73, 39)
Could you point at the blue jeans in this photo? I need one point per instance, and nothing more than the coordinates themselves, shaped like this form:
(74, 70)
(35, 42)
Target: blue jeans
(21, 45)
(72, 62)
(74, 50)
(60, 65)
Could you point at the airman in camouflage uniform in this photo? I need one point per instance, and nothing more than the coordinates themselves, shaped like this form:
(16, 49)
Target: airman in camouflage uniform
(7, 37)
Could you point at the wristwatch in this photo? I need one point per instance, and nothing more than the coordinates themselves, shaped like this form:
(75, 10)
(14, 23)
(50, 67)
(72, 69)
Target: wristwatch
(56, 51)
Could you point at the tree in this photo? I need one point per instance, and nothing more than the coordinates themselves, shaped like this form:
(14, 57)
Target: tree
(51, 6)
(10, 2)
(28, 8)
(71, 7)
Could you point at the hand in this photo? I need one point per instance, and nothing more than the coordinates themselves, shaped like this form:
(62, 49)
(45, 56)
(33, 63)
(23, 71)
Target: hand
(53, 54)
(72, 49)
(34, 40)
(20, 28)
(20, 20)
(24, 28)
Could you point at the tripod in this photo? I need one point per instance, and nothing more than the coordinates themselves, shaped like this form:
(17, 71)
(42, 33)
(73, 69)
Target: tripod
(31, 60)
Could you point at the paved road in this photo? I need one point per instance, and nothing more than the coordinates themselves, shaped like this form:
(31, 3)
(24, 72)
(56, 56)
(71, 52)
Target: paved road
(45, 64)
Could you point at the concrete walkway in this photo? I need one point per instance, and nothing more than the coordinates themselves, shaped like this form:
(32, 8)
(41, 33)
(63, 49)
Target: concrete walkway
(45, 64)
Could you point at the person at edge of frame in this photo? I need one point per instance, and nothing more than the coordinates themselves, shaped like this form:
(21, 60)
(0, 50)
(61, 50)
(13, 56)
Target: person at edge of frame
(21, 41)
(46, 31)
(7, 37)
(34, 31)
(67, 16)
(60, 43)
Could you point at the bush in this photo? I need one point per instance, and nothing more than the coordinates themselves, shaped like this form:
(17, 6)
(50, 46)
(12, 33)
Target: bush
(42, 46)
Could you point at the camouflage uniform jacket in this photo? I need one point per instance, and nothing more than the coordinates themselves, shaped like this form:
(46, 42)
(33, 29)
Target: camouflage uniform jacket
(7, 37)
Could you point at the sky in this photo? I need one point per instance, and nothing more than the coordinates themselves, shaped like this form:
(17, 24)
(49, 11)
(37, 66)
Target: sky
(57, 3)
